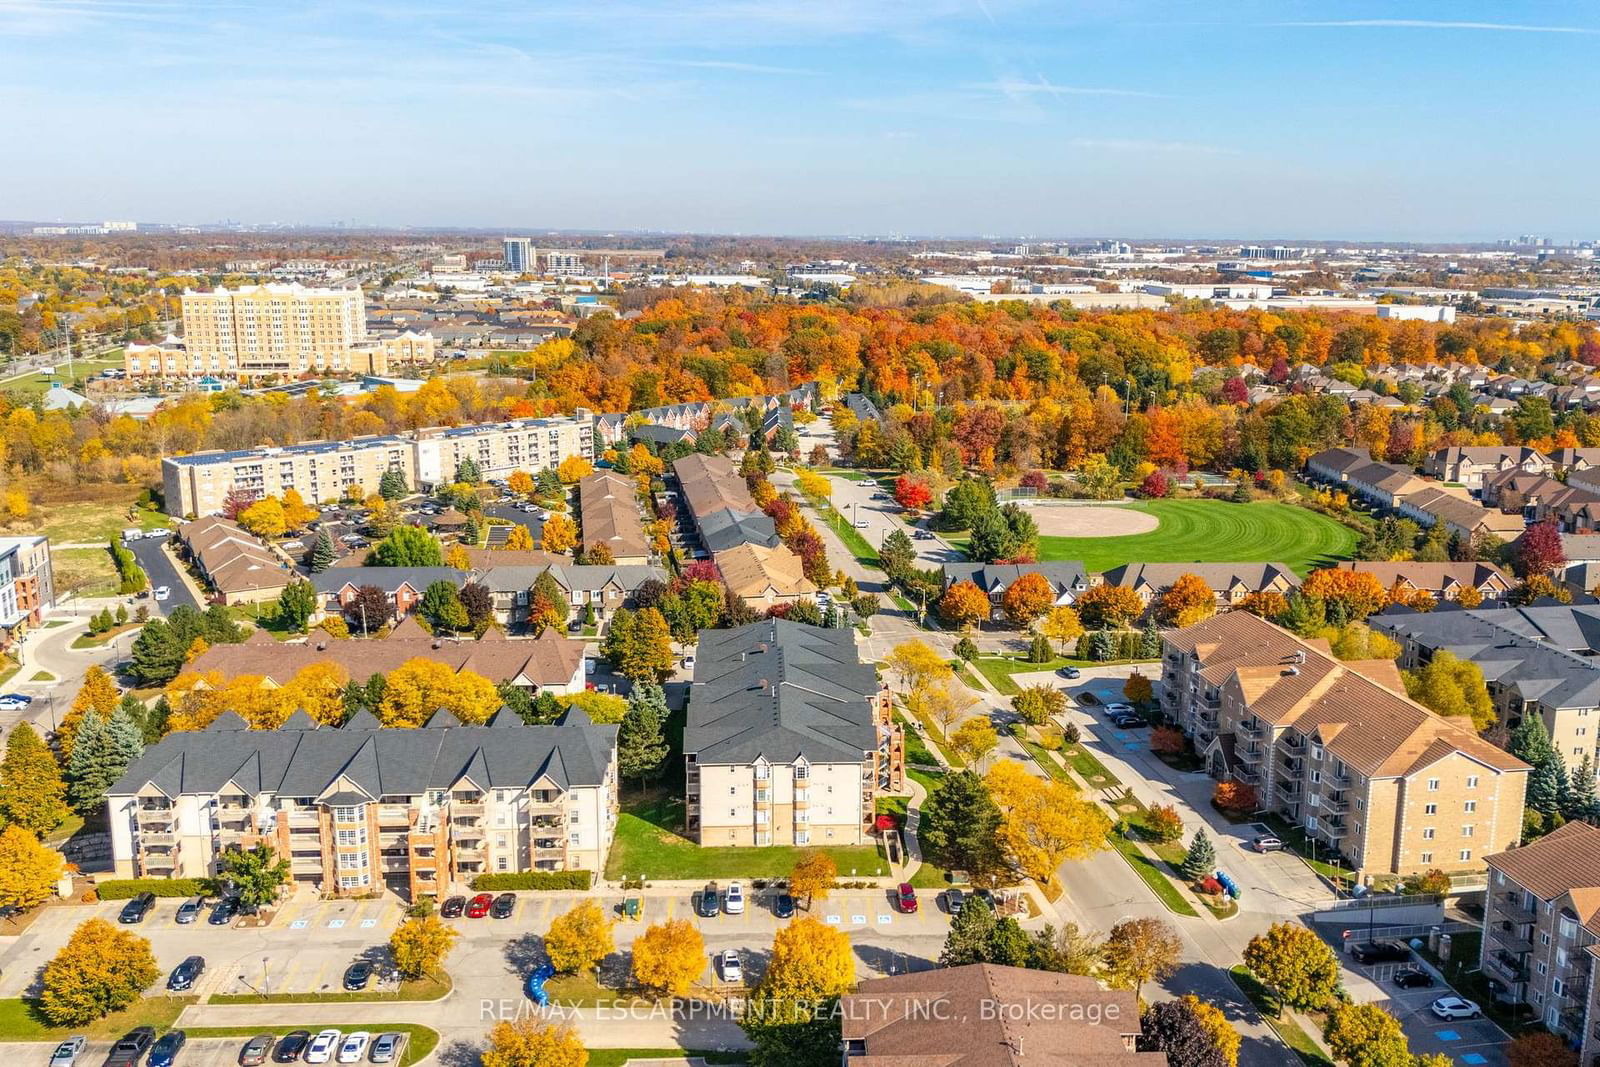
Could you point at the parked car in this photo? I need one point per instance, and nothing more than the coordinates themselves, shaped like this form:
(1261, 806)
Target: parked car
(479, 905)
(1455, 1008)
(322, 1046)
(224, 912)
(190, 910)
(384, 1048)
(860, 524)
(452, 907)
(1116, 707)
(292, 1046)
(1127, 721)
(354, 1047)
(783, 905)
(357, 975)
(1413, 978)
(922, 535)
(255, 1051)
(14, 702)
(905, 898)
(954, 901)
(136, 909)
(1070, 673)
(732, 969)
(185, 974)
(66, 1053)
(164, 1053)
(688, 662)
(126, 1052)
(709, 901)
(1266, 843)
(733, 899)
(1380, 952)
(163, 592)
(503, 906)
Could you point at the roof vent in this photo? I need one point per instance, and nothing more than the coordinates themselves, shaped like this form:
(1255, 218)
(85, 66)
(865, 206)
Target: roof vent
(437, 643)
(322, 646)
(1292, 671)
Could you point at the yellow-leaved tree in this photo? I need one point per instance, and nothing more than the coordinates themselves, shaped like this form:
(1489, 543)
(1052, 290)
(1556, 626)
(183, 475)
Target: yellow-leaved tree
(531, 1043)
(420, 945)
(28, 870)
(419, 687)
(579, 939)
(669, 957)
(98, 692)
(560, 534)
(1043, 824)
(574, 469)
(100, 969)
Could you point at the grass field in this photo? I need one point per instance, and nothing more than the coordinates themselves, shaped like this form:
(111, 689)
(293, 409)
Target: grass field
(20, 1019)
(85, 571)
(1214, 531)
(93, 521)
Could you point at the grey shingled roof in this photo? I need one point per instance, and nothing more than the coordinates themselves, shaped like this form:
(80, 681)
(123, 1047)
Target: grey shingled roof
(1062, 576)
(386, 578)
(378, 762)
(780, 690)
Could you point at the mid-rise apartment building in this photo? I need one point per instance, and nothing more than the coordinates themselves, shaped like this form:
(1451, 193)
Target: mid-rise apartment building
(1541, 933)
(328, 471)
(790, 738)
(359, 808)
(1337, 748)
(27, 584)
(1537, 660)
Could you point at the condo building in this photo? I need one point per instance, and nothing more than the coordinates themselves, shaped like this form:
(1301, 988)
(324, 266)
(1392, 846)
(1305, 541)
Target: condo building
(27, 584)
(359, 808)
(790, 738)
(1337, 748)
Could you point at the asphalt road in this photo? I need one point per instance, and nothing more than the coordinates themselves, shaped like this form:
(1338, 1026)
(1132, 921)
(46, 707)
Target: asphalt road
(161, 571)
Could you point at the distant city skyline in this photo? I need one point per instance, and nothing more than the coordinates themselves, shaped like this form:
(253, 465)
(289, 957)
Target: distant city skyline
(1360, 121)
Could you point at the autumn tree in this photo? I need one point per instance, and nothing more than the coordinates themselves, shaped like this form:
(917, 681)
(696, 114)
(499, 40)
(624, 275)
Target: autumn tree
(99, 694)
(579, 939)
(29, 870)
(669, 957)
(1037, 703)
(520, 482)
(1540, 1048)
(1062, 626)
(813, 876)
(1295, 964)
(1113, 606)
(917, 664)
(560, 534)
(964, 604)
(810, 961)
(639, 644)
(911, 493)
(1138, 689)
(1237, 798)
(256, 875)
(100, 970)
(296, 512)
(1347, 595)
(1265, 604)
(421, 686)
(1139, 951)
(1027, 599)
(1539, 551)
(1452, 687)
(1186, 601)
(264, 518)
(1365, 1035)
(532, 1043)
(1174, 1027)
(518, 539)
(419, 945)
(974, 740)
(1044, 823)
(32, 794)
(790, 1021)
(1224, 1037)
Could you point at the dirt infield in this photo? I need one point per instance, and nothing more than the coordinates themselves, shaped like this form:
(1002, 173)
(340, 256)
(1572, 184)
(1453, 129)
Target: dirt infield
(1067, 521)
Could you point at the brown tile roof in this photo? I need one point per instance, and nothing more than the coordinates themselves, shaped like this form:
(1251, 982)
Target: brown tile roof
(608, 508)
(232, 558)
(1365, 721)
(750, 570)
(481, 559)
(710, 483)
(1433, 577)
(983, 1015)
(1563, 860)
(546, 660)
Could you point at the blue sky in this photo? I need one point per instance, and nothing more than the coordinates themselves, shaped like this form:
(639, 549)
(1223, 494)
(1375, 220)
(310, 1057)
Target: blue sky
(1260, 118)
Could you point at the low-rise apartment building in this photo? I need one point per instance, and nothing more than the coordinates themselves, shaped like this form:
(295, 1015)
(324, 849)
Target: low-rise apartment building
(1067, 580)
(790, 738)
(1398, 489)
(500, 449)
(27, 584)
(608, 514)
(1537, 660)
(603, 588)
(1541, 933)
(1338, 749)
(1444, 581)
(238, 565)
(1469, 464)
(1542, 498)
(338, 591)
(740, 538)
(358, 808)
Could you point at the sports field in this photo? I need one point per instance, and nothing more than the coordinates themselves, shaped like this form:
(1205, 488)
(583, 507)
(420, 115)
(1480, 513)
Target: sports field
(1213, 531)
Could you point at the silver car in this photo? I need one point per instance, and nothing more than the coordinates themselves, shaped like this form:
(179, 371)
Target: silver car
(66, 1053)
(384, 1048)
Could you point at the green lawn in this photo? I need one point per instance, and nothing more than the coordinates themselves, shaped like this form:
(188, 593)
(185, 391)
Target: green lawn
(95, 521)
(1290, 1031)
(88, 572)
(420, 1040)
(21, 1021)
(421, 989)
(647, 844)
(1214, 531)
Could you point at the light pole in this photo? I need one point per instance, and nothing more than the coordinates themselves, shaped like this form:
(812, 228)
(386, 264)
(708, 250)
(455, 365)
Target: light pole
(266, 978)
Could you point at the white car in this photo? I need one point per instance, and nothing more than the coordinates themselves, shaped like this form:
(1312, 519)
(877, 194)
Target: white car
(733, 899)
(688, 662)
(732, 969)
(861, 524)
(66, 1053)
(1455, 1008)
(163, 592)
(354, 1047)
(1113, 709)
(322, 1046)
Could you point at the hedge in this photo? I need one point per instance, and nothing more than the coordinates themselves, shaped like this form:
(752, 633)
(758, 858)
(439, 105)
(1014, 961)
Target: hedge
(128, 888)
(489, 883)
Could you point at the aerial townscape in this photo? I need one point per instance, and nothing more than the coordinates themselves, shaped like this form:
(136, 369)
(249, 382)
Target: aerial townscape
(799, 535)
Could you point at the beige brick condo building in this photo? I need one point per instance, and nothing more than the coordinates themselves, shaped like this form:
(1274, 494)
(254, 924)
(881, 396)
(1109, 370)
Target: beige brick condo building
(358, 808)
(790, 738)
(1541, 933)
(1338, 749)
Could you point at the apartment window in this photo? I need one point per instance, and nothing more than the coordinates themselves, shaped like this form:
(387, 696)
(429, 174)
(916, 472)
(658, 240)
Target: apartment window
(802, 837)
(500, 863)
(352, 881)
(802, 772)
(733, 813)
(733, 790)
(348, 814)
(1433, 785)
(763, 772)
(1316, 752)
(1466, 831)
(1472, 781)
(352, 837)
(1426, 857)
(1427, 833)
(1465, 855)
(1316, 777)
(1430, 809)
(1470, 806)
(1568, 928)
(352, 861)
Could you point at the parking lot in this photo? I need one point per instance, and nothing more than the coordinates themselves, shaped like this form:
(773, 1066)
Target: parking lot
(197, 1052)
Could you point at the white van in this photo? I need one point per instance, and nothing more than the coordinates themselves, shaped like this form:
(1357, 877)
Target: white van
(133, 533)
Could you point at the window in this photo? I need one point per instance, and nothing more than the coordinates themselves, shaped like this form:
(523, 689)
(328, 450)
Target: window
(1465, 855)
(1430, 809)
(1466, 831)
(352, 837)
(500, 863)
(352, 861)
(1433, 785)
(1472, 781)
(348, 814)
(1427, 833)
(763, 772)
(1426, 857)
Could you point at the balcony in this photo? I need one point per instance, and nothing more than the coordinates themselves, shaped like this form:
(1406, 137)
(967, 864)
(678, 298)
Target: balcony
(1338, 803)
(1289, 790)
(1575, 991)
(157, 839)
(469, 809)
(1511, 906)
(1508, 967)
(1293, 745)
(1333, 829)
(1341, 779)
(155, 816)
(1251, 755)
(1511, 937)
(1207, 718)
(1291, 764)
(1254, 728)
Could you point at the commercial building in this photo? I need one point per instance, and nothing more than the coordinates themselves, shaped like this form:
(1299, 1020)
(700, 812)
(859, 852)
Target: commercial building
(608, 512)
(1541, 933)
(1538, 660)
(328, 471)
(790, 738)
(27, 584)
(359, 808)
(1336, 748)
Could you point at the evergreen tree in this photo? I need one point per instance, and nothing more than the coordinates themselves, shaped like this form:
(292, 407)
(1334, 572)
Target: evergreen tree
(960, 825)
(31, 791)
(124, 742)
(85, 785)
(392, 485)
(641, 739)
(471, 533)
(1544, 786)
(1201, 859)
(1581, 796)
(1150, 642)
(322, 554)
(970, 930)
(1530, 742)
(467, 471)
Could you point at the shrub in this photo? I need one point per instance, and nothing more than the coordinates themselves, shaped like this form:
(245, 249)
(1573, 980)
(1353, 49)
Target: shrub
(1166, 740)
(540, 880)
(128, 888)
(1236, 798)
(1070, 733)
(1432, 883)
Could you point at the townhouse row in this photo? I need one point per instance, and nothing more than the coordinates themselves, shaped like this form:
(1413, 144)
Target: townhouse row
(739, 537)
(1396, 488)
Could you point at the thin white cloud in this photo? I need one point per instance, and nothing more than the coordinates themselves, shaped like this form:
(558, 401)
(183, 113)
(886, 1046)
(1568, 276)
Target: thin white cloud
(1442, 24)
(1018, 89)
(741, 68)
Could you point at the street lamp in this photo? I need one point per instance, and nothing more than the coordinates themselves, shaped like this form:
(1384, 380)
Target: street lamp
(266, 978)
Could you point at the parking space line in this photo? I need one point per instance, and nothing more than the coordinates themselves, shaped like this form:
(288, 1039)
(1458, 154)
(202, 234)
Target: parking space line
(672, 905)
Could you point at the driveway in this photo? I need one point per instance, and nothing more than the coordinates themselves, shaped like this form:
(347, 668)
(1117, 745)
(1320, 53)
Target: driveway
(162, 571)
(534, 524)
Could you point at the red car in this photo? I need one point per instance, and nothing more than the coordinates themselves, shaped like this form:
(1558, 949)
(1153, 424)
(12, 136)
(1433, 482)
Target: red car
(905, 898)
(479, 905)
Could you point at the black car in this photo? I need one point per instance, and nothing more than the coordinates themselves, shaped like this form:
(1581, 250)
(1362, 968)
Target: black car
(452, 907)
(503, 906)
(357, 975)
(136, 909)
(1380, 952)
(783, 905)
(186, 973)
(1127, 721)
(126, 1052)
(1413, 978)
(224, 911)
(709, 903)
(291, 1046)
